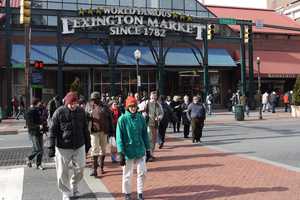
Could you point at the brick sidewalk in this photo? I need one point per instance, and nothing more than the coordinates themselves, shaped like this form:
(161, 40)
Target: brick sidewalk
(187, 171)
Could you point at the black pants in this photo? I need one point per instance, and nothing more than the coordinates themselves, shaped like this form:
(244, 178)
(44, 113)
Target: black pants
(37, 148)
(162, 132)
(197, 127)
(176, 126)
(186, 130)
(286, 107)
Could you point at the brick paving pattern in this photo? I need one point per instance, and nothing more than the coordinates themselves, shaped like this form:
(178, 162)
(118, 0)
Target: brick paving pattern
(185, 171)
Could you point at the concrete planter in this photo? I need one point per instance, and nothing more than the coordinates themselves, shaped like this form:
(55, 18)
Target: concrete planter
(295, 111)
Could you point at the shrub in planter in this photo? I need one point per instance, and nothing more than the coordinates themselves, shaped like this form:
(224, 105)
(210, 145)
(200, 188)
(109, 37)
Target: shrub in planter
(296, 92)
(296, 99)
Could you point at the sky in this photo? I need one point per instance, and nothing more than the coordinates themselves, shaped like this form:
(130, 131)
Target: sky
(238, 3)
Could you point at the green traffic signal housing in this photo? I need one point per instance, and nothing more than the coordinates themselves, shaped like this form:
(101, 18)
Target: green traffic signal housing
(25, 12)
(247, 34)
(210, 31)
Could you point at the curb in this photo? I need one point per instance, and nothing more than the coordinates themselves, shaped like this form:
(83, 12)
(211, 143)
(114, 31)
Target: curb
(97, 186)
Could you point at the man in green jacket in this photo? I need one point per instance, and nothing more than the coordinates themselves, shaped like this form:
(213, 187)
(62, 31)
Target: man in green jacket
(133, 147)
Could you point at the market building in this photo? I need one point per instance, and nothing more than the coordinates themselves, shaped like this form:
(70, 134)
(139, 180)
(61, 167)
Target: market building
(96, 42)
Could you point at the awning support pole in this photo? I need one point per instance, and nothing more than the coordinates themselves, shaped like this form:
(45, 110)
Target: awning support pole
(59, 58)
(243, 61)
(205, 64)
(251, 72)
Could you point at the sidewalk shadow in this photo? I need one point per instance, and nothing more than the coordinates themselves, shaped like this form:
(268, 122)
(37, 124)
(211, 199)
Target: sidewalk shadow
(181, 157)
(205, 192)
(191, 145)
(94, 195)
(183, 167)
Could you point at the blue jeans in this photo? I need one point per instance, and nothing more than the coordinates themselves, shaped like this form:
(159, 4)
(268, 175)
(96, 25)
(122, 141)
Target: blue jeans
(37, 148)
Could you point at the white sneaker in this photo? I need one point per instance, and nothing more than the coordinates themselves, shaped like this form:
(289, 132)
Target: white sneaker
(66, 196)
(75, 192)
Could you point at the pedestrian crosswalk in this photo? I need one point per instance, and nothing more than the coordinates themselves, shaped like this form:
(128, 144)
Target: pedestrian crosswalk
(11, 183)
(23, 183)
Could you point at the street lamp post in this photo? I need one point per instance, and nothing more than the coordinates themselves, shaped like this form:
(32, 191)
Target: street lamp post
(137, 56)
(259, 86)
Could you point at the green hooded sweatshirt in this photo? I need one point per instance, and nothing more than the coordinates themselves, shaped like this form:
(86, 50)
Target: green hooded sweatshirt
(132, 138)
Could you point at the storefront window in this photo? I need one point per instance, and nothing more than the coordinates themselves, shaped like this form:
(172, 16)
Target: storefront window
(178, 4)
(192, 13)
(139, 3)
(125, 81)
(190, 5)
(55, 5)
(100, 2)
(152, 3)
(166, 4)
(214, 81)
(52, 21)
(112, 2)
(69, 5)
(126, 3)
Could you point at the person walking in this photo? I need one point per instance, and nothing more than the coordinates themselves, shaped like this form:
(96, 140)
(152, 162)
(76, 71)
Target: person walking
(209, 100)
(163, 124)
(186, 122)
(34, 122)
(273, 101)
(265, 101)
(133, 147)
(154, 114)
(196, 114)
(101, 129)
(15, 105)
(116, 114)
(69, 142)
(176, 106)
(21, 109)
(286, 101)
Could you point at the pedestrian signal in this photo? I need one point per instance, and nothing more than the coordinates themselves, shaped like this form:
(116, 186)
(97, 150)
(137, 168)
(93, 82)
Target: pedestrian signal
(25, 12)
(38, 64)
(210, 31)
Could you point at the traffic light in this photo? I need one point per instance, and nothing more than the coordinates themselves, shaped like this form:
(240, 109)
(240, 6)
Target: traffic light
(38, 64)
(247, 34)
(25, 12)
(210, 31)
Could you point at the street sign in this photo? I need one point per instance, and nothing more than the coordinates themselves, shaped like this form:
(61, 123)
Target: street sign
(259, 24)
(227, 21)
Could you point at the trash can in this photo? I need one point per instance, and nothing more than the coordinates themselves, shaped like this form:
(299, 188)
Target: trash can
(239, 112)
(0, 114)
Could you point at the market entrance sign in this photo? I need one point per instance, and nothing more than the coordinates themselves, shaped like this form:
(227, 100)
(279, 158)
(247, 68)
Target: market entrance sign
(132, 21)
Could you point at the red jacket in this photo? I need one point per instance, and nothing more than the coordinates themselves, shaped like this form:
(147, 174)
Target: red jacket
(116, 115)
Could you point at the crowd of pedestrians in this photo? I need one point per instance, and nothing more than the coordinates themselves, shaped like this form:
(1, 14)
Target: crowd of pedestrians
(132, 126)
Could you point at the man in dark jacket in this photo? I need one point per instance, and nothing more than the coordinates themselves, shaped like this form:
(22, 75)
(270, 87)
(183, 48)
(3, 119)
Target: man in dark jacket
(273, 101)
(163, 125)
(196, 114)
(186, 122)
(101, 127)
(69, 142)
(33, 122)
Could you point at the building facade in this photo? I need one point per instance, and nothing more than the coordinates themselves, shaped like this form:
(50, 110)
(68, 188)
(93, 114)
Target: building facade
(291, 8)
(96, 41)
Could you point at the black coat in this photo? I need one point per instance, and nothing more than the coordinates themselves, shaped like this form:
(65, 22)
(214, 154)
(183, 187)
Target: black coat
(184, 108)
(33, 121)
(69, 129)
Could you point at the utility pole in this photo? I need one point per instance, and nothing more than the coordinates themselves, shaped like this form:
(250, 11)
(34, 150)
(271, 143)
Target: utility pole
(25, 18)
